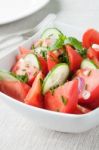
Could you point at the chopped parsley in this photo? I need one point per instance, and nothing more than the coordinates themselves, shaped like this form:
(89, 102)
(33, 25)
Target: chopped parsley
(63, 58)
(22, 78)
(53, 89)
(57, 110)
(89, 73)
(41, 81)
(64, 100)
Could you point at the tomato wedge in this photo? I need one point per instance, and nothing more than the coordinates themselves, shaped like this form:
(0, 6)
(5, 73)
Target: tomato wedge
(23, 53)
(34, 96)
(93, 54)
(52, 60)
(90, 37)
(20, 68)
(74, 58)
(81, 110)
(63, 98)
(89, 96)
(43, 64)
(24, 50)
(15, 89)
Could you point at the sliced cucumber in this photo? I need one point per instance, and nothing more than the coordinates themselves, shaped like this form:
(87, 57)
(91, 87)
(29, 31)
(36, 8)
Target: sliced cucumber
(5, 75)
(56, 77)
(32, 59)
(51, 32)
(86, 63)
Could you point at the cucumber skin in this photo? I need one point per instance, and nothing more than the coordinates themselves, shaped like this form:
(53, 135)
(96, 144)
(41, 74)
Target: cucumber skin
(42, 35)
(51, 73)
(7, 74)
(89, 61)
(34, 55)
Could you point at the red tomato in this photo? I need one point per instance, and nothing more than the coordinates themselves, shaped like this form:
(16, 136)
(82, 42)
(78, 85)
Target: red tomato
(34, 96)
(74, 58)
(43, 64)
(23, 53)
(19, 56)
(15, 89)
(93, 54)
(97, 52)
(81, 110)
(20, 68)
(90, 37)
(24, 50)
(52, 60)
(63, 98)
(90, 93)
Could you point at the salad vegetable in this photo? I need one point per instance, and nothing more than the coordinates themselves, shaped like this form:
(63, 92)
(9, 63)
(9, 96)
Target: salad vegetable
(59, 73)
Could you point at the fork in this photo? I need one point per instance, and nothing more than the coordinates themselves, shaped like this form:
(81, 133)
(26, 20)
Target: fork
(8, 40)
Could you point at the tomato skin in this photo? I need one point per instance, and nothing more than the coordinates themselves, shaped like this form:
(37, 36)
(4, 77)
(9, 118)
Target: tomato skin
(93, 54)
(52, 60)
(74, 58)
(92, 82)
(19, 56)
(15, 89)
(23, 53)
(90, 37)
(30, 71)
(30, 82)
(24, 50)
(53, 101)
(34, 96)
(81, 110)
(43, 64)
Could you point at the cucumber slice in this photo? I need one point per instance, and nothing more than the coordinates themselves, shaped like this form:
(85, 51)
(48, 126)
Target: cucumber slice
(32, 59)
(51, 32)
(5, 75)
(86, 63)
(56, 77)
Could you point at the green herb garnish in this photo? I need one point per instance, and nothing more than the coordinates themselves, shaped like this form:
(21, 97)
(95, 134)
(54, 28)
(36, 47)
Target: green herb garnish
(57, 110)
(53, 89)
(77, 45)
(64, 100)
(22, 78)
(41, 81)
(59, 43)
(89, 73)
(63, 58)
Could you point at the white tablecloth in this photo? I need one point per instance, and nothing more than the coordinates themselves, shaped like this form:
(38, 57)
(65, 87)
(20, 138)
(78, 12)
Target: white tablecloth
(19, 133)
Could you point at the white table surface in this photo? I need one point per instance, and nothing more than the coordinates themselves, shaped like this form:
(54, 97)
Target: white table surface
(19, 133)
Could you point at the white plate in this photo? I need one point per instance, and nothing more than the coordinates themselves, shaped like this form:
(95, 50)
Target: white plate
(11, 10)
(48, 119)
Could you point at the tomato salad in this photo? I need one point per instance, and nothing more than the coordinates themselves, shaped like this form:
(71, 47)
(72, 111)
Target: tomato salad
(58, 73)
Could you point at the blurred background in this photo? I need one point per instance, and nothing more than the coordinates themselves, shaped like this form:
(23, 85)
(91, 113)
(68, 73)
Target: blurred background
(81, 13)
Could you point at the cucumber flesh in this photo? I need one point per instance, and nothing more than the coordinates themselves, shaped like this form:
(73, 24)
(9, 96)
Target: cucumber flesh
(56, 77)
(32, 59)
(51, 32)
(4, 75)
(39, 50)
(86, 63)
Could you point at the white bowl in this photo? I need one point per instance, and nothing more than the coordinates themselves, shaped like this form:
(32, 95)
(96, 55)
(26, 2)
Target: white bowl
(48, 119)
